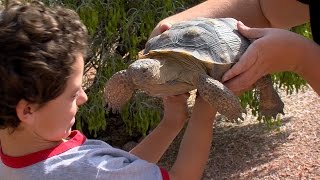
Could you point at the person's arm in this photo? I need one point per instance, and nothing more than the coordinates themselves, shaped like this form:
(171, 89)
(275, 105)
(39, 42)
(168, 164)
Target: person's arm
(274, 50)
(284, 13)
(195, 145)
(309, 66)
(254, 13)
(153, 146)
(248, 11)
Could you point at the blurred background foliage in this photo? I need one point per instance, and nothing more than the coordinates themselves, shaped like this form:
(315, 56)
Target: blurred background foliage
(119, 29)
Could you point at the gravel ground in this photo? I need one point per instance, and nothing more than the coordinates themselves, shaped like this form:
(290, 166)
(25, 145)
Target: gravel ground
(250, 151)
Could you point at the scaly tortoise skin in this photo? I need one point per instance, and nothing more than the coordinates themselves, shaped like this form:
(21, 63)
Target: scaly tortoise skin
(192, 55)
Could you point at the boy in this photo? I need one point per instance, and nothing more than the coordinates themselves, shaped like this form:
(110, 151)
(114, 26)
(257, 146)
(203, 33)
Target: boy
(41, 68)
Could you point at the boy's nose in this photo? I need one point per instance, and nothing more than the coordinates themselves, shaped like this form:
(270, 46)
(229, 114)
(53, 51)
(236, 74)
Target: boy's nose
(82, 98)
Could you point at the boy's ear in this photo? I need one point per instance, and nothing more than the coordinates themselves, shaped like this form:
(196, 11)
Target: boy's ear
(25, 111)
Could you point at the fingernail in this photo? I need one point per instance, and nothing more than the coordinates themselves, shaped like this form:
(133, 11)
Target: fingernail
(225, 78)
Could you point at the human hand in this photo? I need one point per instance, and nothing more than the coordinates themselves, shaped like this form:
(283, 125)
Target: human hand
(160, 28)
(157, 142)
(202, 107)
(272, 50)
(175, 110)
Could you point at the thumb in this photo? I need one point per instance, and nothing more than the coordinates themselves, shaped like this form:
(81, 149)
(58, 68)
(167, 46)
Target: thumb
(250, 55)
(245, 62)
(250, 33)
(159, 29)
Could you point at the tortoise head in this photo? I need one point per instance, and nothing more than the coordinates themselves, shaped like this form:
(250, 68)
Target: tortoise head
(118, 90)
(144, 71)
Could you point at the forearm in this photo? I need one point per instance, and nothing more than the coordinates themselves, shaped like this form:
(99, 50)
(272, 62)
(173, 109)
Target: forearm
(253, 13)
(247, 11)
(284, 13)
(153, 146)
(309, 65)
(195, 146)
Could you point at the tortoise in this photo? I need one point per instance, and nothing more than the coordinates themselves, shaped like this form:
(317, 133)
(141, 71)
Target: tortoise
(192, 54)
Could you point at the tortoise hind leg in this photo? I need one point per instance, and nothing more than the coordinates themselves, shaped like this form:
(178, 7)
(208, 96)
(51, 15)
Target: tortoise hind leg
(270, 102)
(220, 97)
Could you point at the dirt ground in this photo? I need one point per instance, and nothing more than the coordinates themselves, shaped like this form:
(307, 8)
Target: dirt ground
(249, 151)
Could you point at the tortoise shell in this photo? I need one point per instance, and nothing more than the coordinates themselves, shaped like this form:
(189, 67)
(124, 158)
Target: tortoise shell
(211, 41)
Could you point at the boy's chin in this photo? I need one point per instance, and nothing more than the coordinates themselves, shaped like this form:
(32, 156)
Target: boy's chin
(66, 138)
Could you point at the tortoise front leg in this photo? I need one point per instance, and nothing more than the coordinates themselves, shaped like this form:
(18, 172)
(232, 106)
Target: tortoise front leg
(270, 101)
(118, 90)
(220, 97)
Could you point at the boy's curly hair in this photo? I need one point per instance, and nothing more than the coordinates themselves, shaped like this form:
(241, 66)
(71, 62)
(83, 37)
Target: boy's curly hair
(37, 50)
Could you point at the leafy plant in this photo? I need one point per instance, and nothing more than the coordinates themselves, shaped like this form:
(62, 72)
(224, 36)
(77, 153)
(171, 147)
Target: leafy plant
(119, 29)
(289, 81)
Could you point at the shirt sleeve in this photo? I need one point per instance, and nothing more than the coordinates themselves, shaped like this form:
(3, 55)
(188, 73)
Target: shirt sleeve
(105, 162)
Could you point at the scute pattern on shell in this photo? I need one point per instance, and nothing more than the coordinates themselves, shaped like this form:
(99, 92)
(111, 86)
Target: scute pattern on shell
(215, 40)
(192, 55)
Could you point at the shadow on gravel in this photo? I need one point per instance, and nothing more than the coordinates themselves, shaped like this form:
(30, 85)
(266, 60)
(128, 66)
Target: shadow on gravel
(235, 148)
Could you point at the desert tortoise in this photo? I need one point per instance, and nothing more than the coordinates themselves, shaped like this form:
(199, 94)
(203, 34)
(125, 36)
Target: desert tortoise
(191, 55)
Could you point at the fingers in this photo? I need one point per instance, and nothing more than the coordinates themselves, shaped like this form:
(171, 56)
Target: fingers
(186, 95)
(243, 82)
(249, 57)
(160, 29)
(250, 33)
(202, 106)
(247, 60)
(178, 97)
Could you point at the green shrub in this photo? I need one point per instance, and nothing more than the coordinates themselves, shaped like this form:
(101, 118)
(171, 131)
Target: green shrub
(119, 29)
(290, 82)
